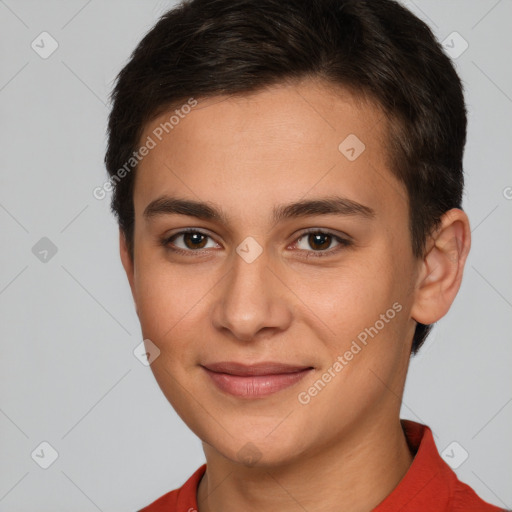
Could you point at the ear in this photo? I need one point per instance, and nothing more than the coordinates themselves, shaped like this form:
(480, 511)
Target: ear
(127, 262)
(442, 267)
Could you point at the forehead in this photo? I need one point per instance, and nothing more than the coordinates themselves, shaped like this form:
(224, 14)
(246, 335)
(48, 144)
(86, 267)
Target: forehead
(283, 143)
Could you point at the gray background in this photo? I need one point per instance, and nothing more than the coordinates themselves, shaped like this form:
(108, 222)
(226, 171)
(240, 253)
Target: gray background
(68, 325)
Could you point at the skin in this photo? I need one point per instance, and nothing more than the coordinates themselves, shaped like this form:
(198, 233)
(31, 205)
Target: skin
(245, 155)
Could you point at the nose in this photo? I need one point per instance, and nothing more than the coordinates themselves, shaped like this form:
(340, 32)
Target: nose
(252, 301)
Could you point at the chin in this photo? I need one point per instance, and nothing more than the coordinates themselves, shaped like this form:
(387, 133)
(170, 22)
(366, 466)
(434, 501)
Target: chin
(255, 444)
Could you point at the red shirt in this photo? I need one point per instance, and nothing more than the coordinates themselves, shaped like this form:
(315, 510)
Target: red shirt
(429, 484)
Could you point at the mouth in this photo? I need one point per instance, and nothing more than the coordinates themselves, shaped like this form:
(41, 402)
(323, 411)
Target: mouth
(257, 380)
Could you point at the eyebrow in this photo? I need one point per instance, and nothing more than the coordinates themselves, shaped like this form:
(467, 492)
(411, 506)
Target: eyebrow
(332, 205)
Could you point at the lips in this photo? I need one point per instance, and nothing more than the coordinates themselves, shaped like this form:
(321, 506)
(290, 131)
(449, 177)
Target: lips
(255, 380)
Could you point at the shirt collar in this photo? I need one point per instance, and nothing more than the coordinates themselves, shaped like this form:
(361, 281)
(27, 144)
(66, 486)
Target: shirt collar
(429, 480)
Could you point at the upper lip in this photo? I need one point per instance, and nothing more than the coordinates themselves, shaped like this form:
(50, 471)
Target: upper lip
(264, 368)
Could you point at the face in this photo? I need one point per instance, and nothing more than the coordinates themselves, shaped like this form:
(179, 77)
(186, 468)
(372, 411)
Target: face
(273, 270)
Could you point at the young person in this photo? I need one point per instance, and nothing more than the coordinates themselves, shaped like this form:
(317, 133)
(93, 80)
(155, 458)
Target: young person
(288, 181)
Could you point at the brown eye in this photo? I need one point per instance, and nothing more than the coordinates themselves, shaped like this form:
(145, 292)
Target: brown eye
(194, 240)
(319, 240)
(321, 243)
(189, 241)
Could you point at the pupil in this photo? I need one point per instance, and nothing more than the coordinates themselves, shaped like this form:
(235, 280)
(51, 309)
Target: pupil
(321, 239)
(193, 240)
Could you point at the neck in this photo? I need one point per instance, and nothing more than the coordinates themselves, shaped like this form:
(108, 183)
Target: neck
(359, 471)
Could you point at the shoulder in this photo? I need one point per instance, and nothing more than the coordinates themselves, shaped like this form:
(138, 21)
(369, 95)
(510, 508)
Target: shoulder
(430, 483)
(166, 502)
(182, 499)
(465, 499)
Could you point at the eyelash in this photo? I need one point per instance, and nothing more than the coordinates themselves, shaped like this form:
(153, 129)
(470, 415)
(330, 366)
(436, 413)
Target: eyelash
(343, 243)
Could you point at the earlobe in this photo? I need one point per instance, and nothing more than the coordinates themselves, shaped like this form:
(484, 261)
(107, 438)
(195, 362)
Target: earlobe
(442, 267)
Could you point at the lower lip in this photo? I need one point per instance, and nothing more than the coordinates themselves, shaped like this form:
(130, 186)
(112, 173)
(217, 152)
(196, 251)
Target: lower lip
(255, 386)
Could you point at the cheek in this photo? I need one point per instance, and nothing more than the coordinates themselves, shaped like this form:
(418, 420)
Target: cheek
(351, 297)
(173, 303)
(365, 310)
(163, 298)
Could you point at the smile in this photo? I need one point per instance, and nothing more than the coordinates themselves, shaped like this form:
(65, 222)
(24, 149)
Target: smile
(254, 381)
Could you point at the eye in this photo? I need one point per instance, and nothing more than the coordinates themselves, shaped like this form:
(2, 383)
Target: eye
(190, 240)
(321, 242)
